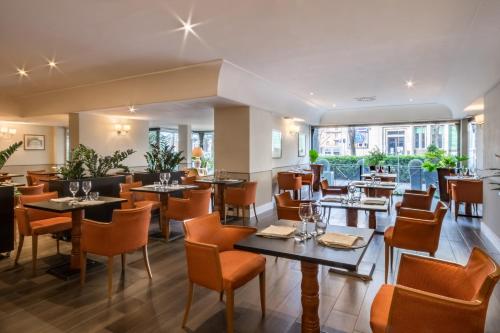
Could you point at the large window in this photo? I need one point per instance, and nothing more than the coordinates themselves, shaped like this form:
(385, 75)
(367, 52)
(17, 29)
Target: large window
(419, 137)
(164, 136)
(361, 139)
(395, 142)
(437, 135)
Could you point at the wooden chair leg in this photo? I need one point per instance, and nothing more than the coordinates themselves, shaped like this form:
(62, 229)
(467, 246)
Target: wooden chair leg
(225, 214)
(221, 295)
(391, 248)
(146, 260)
(229, 310)
(457, 209)
(243, 215)
(124, 262)
(83, 267)
(34, 249)
(188, 304)
(19, 248)
(58, 236)
(255, 213)
(262, 285)
(386, 262)
(110, 276)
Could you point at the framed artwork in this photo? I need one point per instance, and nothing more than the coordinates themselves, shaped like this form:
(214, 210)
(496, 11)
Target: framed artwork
(34, 142)
(276, 144)
(302, 145)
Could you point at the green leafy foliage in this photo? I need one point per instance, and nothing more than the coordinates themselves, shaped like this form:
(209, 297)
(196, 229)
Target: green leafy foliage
(437, 158)
(7, 153)
(313, 155)
(162, 158)
(87, 159)
(375, 157)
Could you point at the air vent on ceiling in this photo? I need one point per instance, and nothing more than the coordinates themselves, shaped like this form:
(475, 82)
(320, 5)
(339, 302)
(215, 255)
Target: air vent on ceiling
(365, 98)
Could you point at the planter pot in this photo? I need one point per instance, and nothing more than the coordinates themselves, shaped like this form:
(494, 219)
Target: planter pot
(149, 178)
(106, 186)
(317, 169)
(443, 190)
(6, 218)
(430, 178)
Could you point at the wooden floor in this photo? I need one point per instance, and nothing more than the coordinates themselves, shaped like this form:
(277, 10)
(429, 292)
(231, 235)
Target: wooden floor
(46, 304)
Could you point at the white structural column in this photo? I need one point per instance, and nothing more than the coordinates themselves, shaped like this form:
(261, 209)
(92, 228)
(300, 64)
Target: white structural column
(185, 144)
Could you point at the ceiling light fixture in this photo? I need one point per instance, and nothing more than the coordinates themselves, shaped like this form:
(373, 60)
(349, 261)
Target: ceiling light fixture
(22, 72)
(7, 132)
(311, 93)
(409, 84)
(132, 109)
(411, 99)
(334, 105)
(52, 63)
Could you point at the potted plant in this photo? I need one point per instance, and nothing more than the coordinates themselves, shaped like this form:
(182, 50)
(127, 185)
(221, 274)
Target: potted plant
(376, 158)
(313, 156)
(161, 158)
(317, 169)
(8, 152)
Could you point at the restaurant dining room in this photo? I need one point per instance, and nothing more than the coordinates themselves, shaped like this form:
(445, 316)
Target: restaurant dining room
(250, 166)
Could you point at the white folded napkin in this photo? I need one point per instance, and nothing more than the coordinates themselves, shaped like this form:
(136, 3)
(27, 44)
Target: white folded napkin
(277, 231)
(89, 203)
(63, 199)
(374, 201)
(332, 199)
(338, 239)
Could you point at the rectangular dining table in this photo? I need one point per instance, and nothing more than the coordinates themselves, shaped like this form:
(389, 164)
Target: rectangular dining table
(311, 254)
(383, 175)
(352, 209)
(72, 269)
(164, 193)
(219, 187)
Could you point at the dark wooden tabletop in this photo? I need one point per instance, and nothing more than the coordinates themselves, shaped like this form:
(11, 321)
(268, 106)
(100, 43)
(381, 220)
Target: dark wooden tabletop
(310, 250)
(219, 181)
(64, 207)
(356, 205)
(159, 189)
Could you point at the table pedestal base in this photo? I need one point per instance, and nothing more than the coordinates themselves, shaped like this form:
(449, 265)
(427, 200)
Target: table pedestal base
(310, 297)
(65, 272)
(364, 272)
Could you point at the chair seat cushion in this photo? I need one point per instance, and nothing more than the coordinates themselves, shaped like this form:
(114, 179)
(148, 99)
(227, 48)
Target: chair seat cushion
(388, 235)
(154, 204)
(239, 267)
(52, 225)
(379, 314)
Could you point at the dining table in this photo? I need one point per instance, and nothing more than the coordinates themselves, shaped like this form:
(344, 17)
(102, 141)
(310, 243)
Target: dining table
(311, 254)
(298, 173)
(77, 208)
(164, 192)
(219, 185)
(450, 180)
(383, 175)
(9, 176)
(370, 205)
(371, 187)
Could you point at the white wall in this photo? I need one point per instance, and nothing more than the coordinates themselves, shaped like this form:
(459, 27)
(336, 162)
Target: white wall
(290, 142)
(491, 147)
(98, 132)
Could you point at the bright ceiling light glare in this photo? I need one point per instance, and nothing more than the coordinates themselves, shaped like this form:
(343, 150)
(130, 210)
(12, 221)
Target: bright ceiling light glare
(22, 72)
(300, 120)
(411, 100)
(52, 64)
(132, 109)
(409, 84)
(311, 93)
(334, 105)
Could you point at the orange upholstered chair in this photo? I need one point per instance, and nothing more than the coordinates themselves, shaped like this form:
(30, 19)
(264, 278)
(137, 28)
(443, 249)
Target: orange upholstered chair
(30, 181)
(288, 181)
(35, 222)
(242, 196)
(31, 190)
(308, 180)
(416, 230)
(287, 208)
(196, 204)
(326, 189)
(213, 263)
(128, 231)
(417, 199)
(466, 191)
(436, 296)
(137, 199)
(34, 178)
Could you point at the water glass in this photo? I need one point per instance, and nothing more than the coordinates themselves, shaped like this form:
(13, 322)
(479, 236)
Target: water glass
(163, 178)
(167, 178)
(320, 226)
(94, 196)
(157, 185)
(73, 188)
(86, 187)
(175, 183)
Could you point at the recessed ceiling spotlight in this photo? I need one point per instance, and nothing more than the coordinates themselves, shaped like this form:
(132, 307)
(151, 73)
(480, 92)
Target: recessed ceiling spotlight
(411, 99)
(52, 63)
(132, 109)
(334, 105)
(311, 93)
(410, 83)
(188, 26)
(22, 72)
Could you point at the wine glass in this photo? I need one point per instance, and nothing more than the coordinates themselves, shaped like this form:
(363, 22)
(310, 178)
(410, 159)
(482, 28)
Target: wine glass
(167, 178)
(163, 176)
(86, 187)
(73, 188)
(305, 214)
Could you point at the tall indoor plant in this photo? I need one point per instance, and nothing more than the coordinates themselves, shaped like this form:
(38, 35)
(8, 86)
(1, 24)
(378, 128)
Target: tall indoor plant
(8, 152)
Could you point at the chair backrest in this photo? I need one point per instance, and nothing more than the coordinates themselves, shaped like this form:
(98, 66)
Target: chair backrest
(199, 202)
(288, 181)
(469, 190)
(308, 177)
(324, 184)
(31, 190)
(125, 187)
(250, 192)
(431, 190)
(483, 273)
(188, 180)
(203, 228)
(37, 214)
(284, 200)
(130, 228)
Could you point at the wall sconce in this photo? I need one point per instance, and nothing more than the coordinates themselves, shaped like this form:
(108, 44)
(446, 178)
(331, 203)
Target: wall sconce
(479, 119)
(122, 129)
(7, 132)
(294, 129)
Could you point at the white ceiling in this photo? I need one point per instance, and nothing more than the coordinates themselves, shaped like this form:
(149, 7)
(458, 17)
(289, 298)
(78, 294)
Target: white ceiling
(338, 49)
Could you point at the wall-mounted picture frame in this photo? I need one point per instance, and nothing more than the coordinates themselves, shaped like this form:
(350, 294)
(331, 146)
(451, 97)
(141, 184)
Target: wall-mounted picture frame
(276, 144)
(302, 145)
(34, 142)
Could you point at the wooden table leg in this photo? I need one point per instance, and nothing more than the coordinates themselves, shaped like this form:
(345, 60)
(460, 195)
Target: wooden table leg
(371, 192)
(295, 195)
(351, 216)
(372, 219)
(468, 209)
(310, 297)
(220, 203)
(76, 233)
(164, 225)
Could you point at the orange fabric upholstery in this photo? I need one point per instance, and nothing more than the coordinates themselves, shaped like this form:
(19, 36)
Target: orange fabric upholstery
(137, 199)
(415, 230)
(214, 264)
(242, 196)
(35, 222)
(31, 190)
(417, 199)
(128, 231)
(326, 189)
(287, 208)
(29, 179)
(188, 180)
(467, 191)
(33, 178)
(289, 182)
(197, 204)
(308, 180)
(436, 296)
